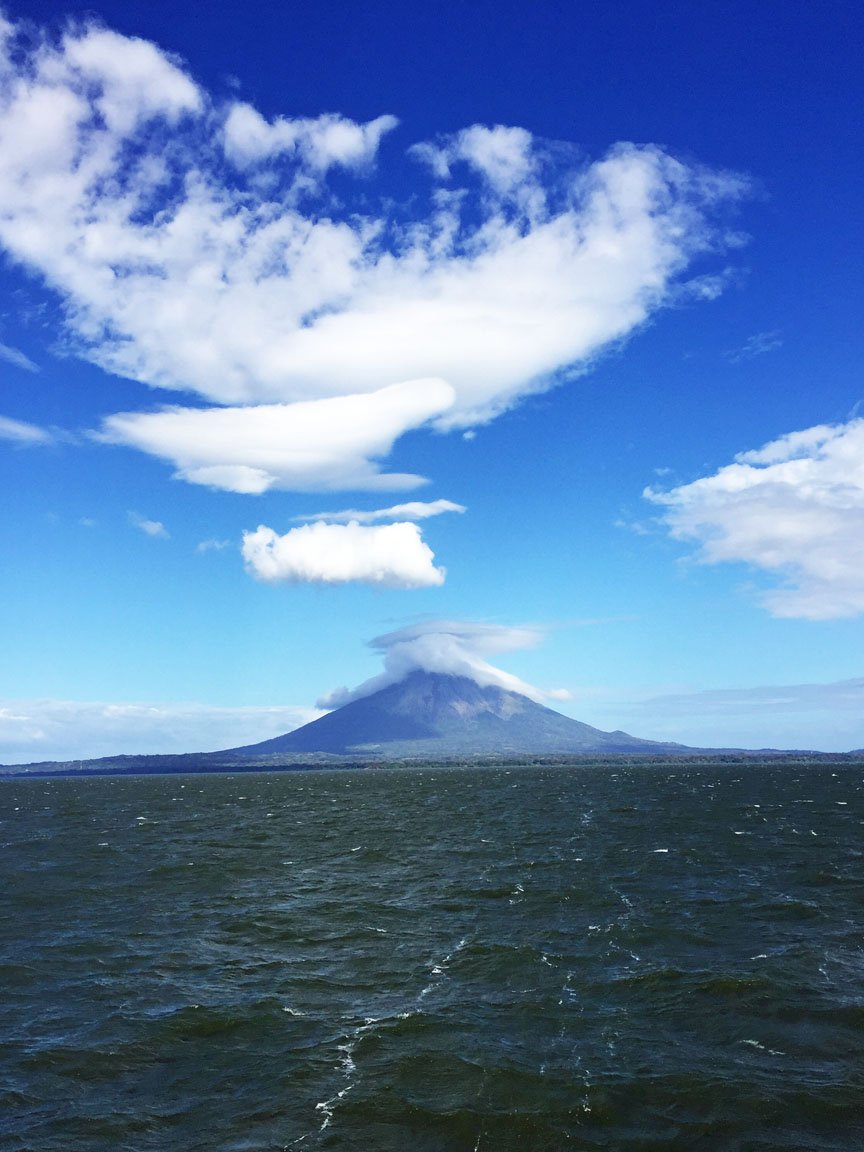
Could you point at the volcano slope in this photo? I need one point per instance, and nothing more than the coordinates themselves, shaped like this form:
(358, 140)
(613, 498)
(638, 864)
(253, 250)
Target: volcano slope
(435, 715)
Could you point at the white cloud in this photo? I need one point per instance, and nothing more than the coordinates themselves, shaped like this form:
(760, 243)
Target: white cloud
(129, 80)
(149, 527)
(309, 445)
(212, 545)
(260, 288)
(322, 143)
(413, 510)
(455, 647)
(503, 156)
(793, 508)
(17, 358)
(35, 730)
(20, 433)
(389, 555)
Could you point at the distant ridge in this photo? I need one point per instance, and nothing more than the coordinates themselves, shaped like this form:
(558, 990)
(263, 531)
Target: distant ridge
(435, 715)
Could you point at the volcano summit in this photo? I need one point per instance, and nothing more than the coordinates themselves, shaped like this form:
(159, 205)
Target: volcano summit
(436, 715)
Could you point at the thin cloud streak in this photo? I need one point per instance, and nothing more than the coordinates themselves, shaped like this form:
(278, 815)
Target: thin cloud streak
(413, 510)
(17, 358)
(19, 432)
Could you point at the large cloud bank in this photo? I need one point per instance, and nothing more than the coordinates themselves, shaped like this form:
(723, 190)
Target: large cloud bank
(196, 246)
(794, 509)
(456, 647)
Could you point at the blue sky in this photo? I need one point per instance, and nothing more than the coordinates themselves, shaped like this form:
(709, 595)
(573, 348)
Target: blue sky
(526, 336)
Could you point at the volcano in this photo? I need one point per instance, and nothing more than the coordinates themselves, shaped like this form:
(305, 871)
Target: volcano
(435, 715)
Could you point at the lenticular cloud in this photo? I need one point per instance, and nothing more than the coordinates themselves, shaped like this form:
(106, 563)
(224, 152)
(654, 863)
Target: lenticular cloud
(196, 246)
(452, 647)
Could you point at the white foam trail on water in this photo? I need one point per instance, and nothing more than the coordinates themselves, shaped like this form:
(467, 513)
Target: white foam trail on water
(346, 1062)
(328, 1107)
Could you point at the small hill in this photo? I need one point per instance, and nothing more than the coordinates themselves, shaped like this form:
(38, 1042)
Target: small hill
(431, 714)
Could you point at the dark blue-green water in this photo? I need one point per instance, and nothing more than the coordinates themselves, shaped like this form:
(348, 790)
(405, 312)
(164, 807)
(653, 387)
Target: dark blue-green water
(434, 960)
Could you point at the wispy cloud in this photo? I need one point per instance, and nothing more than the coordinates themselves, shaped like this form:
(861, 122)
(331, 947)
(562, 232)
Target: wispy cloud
(17, 358)
(153, 528)
(753, 346)
(387, 555)
(794, 509)
(212, 545)
(197, 246)
(21, 433)
(413, 510)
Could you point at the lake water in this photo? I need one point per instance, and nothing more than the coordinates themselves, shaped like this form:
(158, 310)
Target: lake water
(528, 959)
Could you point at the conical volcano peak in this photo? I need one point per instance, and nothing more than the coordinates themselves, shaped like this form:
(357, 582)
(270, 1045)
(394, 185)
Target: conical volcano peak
(437, 715)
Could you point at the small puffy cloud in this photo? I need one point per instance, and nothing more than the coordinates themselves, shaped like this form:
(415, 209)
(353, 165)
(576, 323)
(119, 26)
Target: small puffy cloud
(389, 555)
(149, 527)
(504, 156)
(21, 433)
(310, 445)
(255, 287)
(455, 647)
(322, 142)
(17, 358)
(413, 510)
(37, 730)
(794, 509)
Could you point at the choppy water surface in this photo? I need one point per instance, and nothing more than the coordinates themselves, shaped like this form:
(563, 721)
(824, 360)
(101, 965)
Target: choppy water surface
(478, 960)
